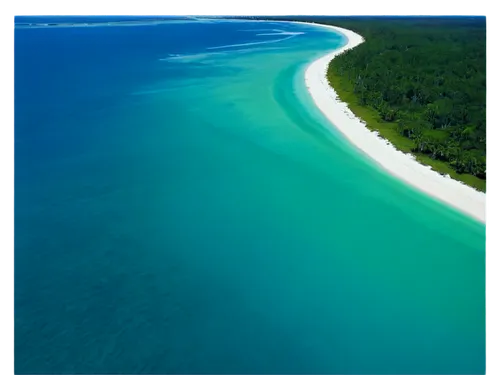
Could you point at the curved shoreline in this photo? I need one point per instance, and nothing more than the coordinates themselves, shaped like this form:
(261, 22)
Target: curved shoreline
(403, 166)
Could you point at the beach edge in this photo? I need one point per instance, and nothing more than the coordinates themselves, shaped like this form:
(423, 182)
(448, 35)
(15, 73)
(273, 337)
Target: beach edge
(403, 166)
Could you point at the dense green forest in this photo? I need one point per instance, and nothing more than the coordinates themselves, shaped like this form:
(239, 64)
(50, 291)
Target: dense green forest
(421, 82)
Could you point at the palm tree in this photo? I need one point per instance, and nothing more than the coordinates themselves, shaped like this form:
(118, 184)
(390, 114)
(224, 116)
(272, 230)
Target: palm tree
(420, 142)
(442, 152)
(416, 132)
(433, 149)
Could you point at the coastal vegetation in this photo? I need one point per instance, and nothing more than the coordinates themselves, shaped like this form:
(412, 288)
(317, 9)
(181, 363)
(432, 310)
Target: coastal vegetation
(421, 83)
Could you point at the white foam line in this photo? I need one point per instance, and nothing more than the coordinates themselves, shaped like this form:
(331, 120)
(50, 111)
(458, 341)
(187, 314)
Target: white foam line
(399, 164)
(282, 33)
(255, 30)
(252, 43)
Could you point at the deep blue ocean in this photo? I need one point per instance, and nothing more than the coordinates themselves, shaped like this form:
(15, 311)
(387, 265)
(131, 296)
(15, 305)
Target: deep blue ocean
(181, 206)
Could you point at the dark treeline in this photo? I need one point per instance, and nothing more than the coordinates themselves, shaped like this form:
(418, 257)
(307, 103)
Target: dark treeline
(429, 76)
(425, 75)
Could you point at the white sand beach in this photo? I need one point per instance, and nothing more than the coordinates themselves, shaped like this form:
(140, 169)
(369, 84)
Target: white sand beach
(404, 166)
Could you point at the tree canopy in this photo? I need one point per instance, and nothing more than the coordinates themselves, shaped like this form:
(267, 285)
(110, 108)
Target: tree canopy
(426, 75)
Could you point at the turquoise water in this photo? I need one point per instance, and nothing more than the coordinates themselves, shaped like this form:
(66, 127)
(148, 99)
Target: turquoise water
(181, 208)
